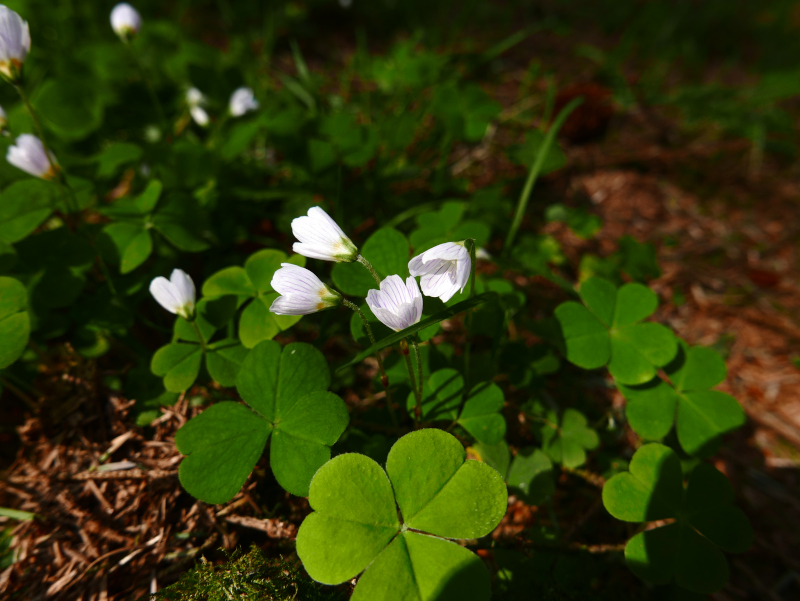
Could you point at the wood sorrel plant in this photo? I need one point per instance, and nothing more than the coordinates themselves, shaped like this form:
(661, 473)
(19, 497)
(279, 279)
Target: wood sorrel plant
(82, 236)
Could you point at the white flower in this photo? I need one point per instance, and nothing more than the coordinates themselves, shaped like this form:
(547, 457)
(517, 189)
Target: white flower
(125, 21)
(301, 292)
(28, 154)
(321, 238)
(444, 269)
(176, 294)
(196, 101)
(15, 43)
(396, 305)
(242, 101)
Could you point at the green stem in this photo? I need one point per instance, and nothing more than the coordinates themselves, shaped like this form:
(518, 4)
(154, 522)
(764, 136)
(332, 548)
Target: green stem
(533, 174)
(417, 395)
(419, 365)
(149, 85)
(40, 132)
(199, 336)
(384, 377)
(468, 320)
(370, 268)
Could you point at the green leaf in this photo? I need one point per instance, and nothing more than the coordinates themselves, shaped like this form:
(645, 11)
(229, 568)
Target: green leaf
(481, 413)
(441, 395)
(687, 551)
(26, 204)
(257, 323)
(178, 364)
(607, 330)
(531, 476)
(224, 360)
(497, 455)
(387, 251)
(426, 568)
(262, 265)
(638, 260)
(433, 319)
(701, 416)
(178, 219)
(588, 344)
(114, 156)
(15, 327)
(222, 445)
(288, 389)
(354, 518)
(355, 524)
(352, 279)
(231, 280)
(132, 244)
(567, 440)
(70, 106)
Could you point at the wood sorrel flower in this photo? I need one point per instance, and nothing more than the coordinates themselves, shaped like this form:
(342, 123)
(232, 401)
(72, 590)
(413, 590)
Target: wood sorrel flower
(176, 294)
(196, 100)
(321, 238)
(301, 292)
(125, 21)
(444, 269)
(15, 43)
(28, 154)
(242, 101)
(396, 305)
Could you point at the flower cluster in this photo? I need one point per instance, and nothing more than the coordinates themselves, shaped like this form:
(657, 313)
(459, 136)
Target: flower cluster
(444, 270)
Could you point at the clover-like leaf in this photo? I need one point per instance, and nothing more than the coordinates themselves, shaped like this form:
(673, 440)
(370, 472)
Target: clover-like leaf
(178, 363)
(26, 204)
(355, 524)
(251, 285)
(15, 323)
(286, 389)
(567, 439)
(700, 415)
(606, 330)
(704, 522)
(480, 415)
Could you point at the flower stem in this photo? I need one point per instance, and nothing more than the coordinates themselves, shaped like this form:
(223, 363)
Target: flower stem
(384, 377)
(199, 336)
(370, 268)
(419, 365)
(149, 85)
(417, 395)
(468, 320)
(40, 132)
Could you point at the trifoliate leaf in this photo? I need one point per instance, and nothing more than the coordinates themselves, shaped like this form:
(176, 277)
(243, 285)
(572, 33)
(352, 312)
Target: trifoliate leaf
(566, 440)
(286, 390)
(687, 551)
(701, 416)
(355, 523)
(606, 330)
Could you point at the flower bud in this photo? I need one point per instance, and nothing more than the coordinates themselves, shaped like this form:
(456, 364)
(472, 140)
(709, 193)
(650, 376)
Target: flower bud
(125, 21)
(301, 292)
(15, 43)
(242, 101)
(28, 153)
(321, 238)
(176, 294)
